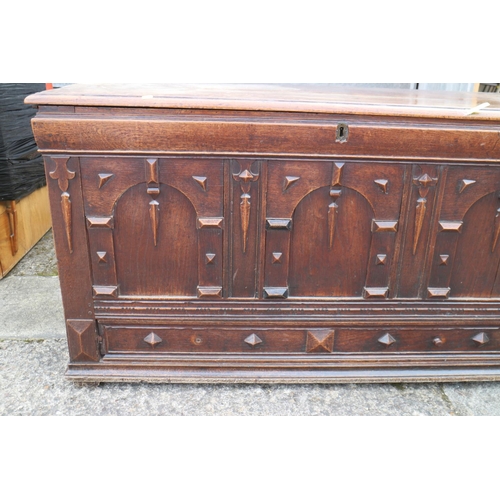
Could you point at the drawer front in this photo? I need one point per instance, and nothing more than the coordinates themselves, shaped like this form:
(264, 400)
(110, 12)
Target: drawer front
(161, 339)
(200, 340)
(419, 340)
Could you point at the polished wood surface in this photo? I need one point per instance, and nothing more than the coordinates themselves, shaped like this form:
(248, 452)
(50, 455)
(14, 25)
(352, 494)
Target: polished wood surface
(313, 98)
(216, 242)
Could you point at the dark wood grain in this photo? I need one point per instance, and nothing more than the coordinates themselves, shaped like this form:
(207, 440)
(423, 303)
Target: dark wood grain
(244, 208)
(225, 233)
(73, 263)
(476, 266)
(146, 269)
(128, 339)
(316, 269)
(160, 134)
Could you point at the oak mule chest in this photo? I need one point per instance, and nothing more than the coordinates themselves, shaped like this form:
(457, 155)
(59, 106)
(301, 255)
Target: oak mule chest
(280, 233)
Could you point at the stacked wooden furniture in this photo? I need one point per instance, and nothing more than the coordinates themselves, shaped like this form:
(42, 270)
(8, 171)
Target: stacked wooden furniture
(22, 223)
(275, 233)
(24, 201)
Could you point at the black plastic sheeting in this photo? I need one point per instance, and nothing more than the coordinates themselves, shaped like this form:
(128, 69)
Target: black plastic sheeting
(21, 167)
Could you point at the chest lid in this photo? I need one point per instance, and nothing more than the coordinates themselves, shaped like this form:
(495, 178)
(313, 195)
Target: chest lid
(290, 97)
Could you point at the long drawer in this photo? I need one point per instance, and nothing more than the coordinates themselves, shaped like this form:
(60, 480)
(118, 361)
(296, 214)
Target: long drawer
(158, 339)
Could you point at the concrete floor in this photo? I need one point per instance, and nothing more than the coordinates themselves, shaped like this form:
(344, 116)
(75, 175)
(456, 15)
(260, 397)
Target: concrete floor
(33, 358)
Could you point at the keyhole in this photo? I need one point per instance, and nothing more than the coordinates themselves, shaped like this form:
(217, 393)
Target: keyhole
(342, 132)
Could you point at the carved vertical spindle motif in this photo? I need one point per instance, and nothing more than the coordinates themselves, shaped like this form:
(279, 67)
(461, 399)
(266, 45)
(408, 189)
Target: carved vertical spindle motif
(335, 192)
(66, 212)
(332, 214)
(424, 183)
(496, 230)
(63, 175)
(245, 217)
(154, 208)
(419, 221)
(245, 177)
(496, 233)
(153, 189)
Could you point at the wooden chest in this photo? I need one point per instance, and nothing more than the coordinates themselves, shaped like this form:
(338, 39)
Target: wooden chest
(210, 233)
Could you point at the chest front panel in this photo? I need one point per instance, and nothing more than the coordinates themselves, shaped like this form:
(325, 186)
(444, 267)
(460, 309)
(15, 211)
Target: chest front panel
(165, 228)
(251, 245)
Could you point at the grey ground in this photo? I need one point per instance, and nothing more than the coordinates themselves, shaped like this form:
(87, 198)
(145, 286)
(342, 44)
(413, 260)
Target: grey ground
(33, 358)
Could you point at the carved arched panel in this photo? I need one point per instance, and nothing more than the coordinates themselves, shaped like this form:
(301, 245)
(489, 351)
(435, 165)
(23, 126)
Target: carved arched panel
(154, 190)
(318, 269)
(464, 234)
(380, 183)
(164, 267)
(290, 181)
(106, 179)
(343, 213)
(200, 180)
(464, 187)
(475, 267)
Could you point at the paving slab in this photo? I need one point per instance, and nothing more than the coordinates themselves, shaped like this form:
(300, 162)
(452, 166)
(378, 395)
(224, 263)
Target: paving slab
(32, 383)
(474, 398)
(30, 296)
(31, 307)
